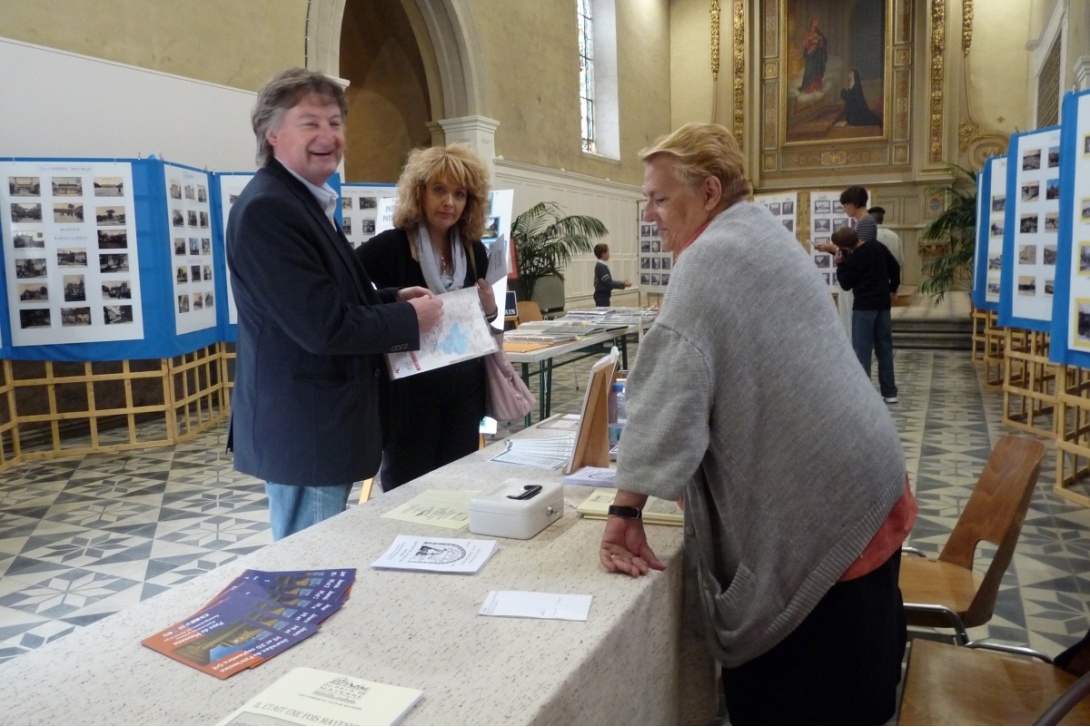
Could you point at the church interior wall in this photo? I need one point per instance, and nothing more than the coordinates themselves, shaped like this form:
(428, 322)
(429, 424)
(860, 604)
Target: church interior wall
(239, 43)
(665, 61)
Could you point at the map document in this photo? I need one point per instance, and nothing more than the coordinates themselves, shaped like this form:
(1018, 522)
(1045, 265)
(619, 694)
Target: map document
(462, 334)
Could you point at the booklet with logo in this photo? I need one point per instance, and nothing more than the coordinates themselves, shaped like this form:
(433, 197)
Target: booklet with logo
(441, 555)
(307, 696)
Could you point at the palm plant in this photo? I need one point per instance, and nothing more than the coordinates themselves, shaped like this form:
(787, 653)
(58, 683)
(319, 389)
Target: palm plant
(955, 229)
(545, 242)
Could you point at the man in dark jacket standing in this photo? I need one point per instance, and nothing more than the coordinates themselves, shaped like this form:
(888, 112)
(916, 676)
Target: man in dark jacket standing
(311, 327)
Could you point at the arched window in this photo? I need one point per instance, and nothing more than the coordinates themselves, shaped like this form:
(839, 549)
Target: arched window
(597, 25)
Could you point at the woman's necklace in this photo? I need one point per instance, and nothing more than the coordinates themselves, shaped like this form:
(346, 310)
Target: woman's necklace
(445, 267)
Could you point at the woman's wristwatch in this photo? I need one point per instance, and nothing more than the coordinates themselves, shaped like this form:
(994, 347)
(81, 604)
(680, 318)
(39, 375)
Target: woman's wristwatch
(631, 513)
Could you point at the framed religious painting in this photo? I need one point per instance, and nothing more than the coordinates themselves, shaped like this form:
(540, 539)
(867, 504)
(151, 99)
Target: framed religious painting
(835, 83)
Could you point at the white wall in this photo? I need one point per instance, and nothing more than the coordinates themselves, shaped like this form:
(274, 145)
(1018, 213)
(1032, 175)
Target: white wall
(613, 203)
(60, 104)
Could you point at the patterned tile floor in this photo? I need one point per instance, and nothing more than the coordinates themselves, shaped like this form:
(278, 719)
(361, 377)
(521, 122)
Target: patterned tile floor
(85, 537)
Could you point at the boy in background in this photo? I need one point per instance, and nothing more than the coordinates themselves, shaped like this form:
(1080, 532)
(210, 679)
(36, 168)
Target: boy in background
(872, 274)
(604, 284)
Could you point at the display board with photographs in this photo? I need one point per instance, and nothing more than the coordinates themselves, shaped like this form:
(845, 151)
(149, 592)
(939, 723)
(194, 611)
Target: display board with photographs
(359, 209)
(1031, 230)
(655, 262)
(192, 264)
(991, 211)
(1070, 329)
(783, 206)
(230, 187)
(70, 253)
(501, 215)
(826, 215)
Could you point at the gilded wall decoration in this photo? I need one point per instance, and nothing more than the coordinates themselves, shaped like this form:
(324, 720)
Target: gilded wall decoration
(738, 40)
(938, 48)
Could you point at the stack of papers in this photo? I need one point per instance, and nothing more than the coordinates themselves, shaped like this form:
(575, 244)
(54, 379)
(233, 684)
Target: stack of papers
(306, 696)
(566, 326)
(257, 616)
(655, 512)
(614, 316)
(550, 453)
(593, 476)
(438, 555)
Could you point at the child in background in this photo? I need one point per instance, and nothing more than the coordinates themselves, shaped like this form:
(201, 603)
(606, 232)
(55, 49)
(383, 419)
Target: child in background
(604, 284)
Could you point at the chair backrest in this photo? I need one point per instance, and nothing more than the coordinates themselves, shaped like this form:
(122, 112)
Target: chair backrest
(528, 311)
(995, 513)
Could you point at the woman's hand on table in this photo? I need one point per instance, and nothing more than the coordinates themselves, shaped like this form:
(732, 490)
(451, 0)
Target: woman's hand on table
(624, 548)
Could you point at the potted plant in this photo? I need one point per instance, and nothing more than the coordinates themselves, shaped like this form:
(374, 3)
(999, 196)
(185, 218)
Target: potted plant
(545, 242)
(955, 232)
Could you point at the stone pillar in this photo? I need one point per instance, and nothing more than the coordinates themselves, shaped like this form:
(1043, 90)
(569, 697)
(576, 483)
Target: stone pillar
(477, 132)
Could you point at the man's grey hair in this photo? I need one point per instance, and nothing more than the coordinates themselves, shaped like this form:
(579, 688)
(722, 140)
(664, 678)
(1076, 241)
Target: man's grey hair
(282, 92)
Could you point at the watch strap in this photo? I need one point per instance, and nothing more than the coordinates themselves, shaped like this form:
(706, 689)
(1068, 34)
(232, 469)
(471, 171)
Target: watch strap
(632, 513)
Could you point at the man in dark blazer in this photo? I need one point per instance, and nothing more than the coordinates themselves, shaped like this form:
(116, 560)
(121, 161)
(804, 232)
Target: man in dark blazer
(311, 326)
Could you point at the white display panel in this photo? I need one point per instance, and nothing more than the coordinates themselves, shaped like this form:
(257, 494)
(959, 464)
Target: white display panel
(359, 210)
(826, 215)
(656, 264)
(70, 252)
(192, 263)
(1033, 189)
(994, 207)
(1078, 221)
(231, 186)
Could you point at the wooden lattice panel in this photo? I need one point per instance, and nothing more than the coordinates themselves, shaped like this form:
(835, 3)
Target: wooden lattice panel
(980, 328)
(53, 408)
(1073, 437)
(1029, 383)
(995, 346)
(196, 393)
(9, 427)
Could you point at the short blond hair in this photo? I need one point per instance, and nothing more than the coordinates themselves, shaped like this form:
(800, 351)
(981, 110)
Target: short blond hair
(459, 164)
(700, 151)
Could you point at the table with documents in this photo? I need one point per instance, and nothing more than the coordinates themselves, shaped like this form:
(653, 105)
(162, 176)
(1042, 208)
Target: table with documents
(633, 661)
(531, 344)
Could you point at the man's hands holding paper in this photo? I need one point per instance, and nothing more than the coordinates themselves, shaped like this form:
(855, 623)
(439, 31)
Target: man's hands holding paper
(429, 309)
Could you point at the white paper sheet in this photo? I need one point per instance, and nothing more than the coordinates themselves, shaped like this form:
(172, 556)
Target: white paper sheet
(440, 555)
(530, 604)
(440, 508)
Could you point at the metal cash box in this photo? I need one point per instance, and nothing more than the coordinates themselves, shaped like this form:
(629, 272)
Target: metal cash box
(516, 509)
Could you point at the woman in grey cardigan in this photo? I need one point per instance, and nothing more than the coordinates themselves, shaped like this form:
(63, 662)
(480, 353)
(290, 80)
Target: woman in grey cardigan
(747, 401)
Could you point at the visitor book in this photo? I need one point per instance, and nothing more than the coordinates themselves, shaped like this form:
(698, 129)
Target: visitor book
(306, 696)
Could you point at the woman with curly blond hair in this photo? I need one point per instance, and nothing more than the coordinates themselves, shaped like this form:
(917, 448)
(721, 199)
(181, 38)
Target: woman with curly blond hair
(433, 418)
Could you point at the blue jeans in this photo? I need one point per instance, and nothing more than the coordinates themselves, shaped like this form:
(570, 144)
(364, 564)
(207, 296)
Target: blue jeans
(293, 508)
(872, 330)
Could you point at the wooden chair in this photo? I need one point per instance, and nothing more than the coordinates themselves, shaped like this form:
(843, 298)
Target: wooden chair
(946, 592)
(528, 311)
(953, 685)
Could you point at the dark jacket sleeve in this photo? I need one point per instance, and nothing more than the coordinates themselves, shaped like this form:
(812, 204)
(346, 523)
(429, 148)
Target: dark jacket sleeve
(275, 260)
